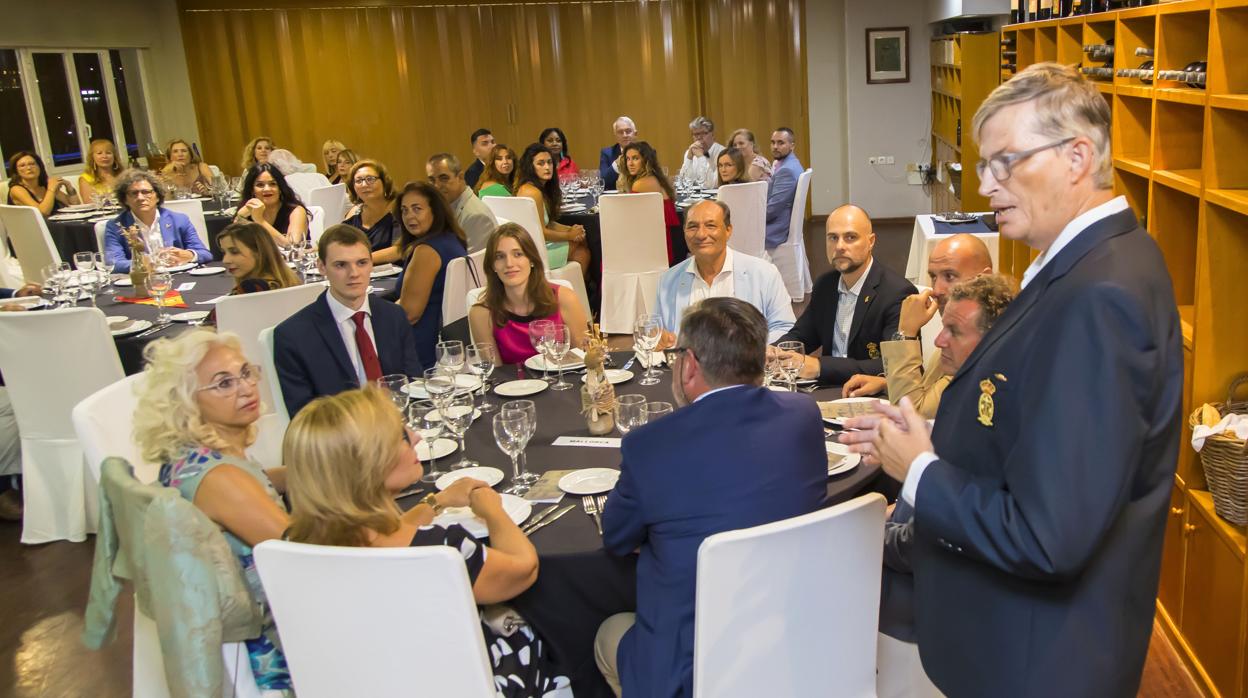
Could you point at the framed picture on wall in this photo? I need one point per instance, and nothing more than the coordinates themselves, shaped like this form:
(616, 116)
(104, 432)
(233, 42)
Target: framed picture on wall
(888, 55)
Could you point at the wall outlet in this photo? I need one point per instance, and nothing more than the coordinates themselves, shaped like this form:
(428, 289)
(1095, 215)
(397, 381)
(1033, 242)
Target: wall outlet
(888, 159)
(873, 160)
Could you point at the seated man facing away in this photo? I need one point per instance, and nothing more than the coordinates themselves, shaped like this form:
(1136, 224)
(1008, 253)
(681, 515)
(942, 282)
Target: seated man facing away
(954, 259)
(713, 270)
(344, 339)
(853, 308)
(728, 431)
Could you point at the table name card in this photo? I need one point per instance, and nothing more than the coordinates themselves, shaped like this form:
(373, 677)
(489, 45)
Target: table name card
(590, 441)
(186, 286)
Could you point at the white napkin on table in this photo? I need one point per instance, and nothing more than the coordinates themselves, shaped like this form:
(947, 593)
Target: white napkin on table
(1236, 423)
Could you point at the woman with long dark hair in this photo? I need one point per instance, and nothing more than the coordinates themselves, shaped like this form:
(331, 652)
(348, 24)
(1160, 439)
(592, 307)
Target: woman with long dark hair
(30, 185)
(557, 144)
(429, 240)
(536, 180)
(642, 173)
(499, 176)
(274, 205)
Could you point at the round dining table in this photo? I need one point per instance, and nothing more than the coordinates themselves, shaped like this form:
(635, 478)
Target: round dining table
(579, 584)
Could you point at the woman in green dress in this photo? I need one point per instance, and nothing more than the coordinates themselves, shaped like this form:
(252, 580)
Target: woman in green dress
(499, 176)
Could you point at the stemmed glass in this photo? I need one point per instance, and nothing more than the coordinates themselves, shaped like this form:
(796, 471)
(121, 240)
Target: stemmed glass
(83, 262)
(456, 412)
(296, 256)
(160, 283)
(424, 419)
(91, 281)
(560, 342)
(528, 410)
(792, 356)
(538, 331)
(308, 258)
(55, 276)
(629, 412)
(439, 385)
(450, 356)
(654, 410)
(482, 358)
(509, 435)
(105, 266)
(647, 331)
(395, 385)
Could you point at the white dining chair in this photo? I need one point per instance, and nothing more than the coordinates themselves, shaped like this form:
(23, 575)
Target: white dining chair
(32, 243)
(101, 227)
(104, 424)
(475, 295)
(462, 275)
(193, 209)
(328, 602)
(634, 257)
(51, 361)
(791, 608)
(522, 211)
(316, 223)
(268, 364)
(790, 256)
(333, 201)
(304, 182)
(10, 269)
(748, 205)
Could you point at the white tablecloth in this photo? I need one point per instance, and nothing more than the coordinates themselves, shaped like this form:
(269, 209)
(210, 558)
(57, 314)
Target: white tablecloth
(925, 238)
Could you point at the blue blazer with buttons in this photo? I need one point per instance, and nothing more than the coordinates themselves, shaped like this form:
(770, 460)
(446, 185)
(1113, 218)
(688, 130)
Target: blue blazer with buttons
(175, 229)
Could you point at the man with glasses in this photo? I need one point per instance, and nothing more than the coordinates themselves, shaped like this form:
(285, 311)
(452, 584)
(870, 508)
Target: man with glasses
(168, 234)
(700, 157)
(474, 217)
(609, 158)
(728, 431)
(1040, 497)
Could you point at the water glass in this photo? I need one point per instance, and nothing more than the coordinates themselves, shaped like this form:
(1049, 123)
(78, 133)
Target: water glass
(423, 418)
(560, 342)
(105, 265)
(538, 332)
(647, 330)
(654, 410)
(450, 355)
(456, 414)
(629, 412)
(439, 384)
(508, 434)
(482, 359)
(160, 283)
(395, 385)
(792, 358)
(529, 412)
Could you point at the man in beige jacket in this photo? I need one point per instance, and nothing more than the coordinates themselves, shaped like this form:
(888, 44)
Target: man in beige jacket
(954, 259)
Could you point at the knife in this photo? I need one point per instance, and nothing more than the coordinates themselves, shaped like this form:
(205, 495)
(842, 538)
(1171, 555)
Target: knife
(533, 529)
(543, 514)
(155, 328)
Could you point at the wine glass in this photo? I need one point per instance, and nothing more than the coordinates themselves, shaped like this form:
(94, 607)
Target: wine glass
(308, 258)
(160, 283)
(91, 281)
(439, 385)
(792, 357)
(647, 331)
(508, 433)
(424, 419)
(55, 282)
(628, 412)
(456, 413)
(560, 341)
(395, 385)
(529, 411)
(83, 262)
(482, 358)
(450, 356)
(538, 330)
(654, 410)
(105, 265)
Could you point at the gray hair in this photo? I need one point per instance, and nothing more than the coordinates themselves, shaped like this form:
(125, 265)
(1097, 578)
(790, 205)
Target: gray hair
(618, 119)
(702, 122)
(452, 162)
(729, 338)
(131, 177)
(1065, 105)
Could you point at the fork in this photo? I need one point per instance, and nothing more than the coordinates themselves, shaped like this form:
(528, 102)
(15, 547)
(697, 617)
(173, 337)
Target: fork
(590, 505)
(602, 505)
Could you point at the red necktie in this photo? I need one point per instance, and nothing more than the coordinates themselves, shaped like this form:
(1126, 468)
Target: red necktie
(368, 355)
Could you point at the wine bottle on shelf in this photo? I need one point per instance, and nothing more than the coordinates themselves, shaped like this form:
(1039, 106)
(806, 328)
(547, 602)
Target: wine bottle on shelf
(1009, 54)
(1016, 11)
(1100, 72)
(1012, 67)
(1008, 41)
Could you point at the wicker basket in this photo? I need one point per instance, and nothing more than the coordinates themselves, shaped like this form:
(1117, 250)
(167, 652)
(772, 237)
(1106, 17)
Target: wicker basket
(1224, 459)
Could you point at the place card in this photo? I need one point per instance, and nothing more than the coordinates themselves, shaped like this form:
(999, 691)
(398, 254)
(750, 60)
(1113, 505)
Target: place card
(186, 286)
(590, 441)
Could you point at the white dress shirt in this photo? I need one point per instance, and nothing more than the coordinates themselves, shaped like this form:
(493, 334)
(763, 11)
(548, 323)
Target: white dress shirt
(151, 234)
(1082, 222)
(346, 326)
(846, 303)
(702, 168)
(721, 286)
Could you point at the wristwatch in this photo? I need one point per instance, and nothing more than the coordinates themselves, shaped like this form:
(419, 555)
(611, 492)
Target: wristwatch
(432, 500)
(900, 336)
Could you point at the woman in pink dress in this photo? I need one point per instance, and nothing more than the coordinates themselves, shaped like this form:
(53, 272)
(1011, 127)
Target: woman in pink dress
(517, 293)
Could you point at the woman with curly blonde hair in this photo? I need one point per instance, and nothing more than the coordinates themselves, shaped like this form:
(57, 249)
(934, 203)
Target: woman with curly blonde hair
(196, 415)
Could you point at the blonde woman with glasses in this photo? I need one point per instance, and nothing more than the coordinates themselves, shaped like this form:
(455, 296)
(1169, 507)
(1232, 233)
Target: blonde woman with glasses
(196, 415)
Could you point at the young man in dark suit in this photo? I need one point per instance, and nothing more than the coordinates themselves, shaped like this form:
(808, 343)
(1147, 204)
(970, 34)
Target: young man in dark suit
(854, 307)
(482, 143)
(345, 338)
(728, 431)
(1040, 497)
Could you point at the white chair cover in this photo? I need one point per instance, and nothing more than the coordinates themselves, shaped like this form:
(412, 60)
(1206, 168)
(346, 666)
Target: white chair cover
(193, 209)
(216, 171)
(462, 275)
(304, 182)
(790, 256)
(149, 664)
(333, 201)
(51, 361)
(316, 223)
(104, 423)
(634, 257)
(521, 210)
(327, 602)
(748, 204)
(791, 608)
(475, 295)
(269, 365)
(31, 241)
(10, 269)
(100, 227)
(574, 278)
(246, 315)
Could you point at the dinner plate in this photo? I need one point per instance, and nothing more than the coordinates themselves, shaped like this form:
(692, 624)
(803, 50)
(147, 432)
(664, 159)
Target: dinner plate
(838, 421)
(133, 327)
(778, 388)
(484, 473)
(463, 380)
(123, 281)
(572, 208)
(189, 316)
(180, 267)
(28, 302)
(69, 216)
(840, 459)
(573, 361)
(436, 416)
(520, 388)
(441, 447)
(615, 376)
(807, 381)
(518, 509)
(385, 270)
(206, 271)
(78, 208)
(589, 481)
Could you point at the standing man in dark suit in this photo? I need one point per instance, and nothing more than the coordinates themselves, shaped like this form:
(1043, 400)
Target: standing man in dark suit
(1040, 497)
(727, 432)
(345, 338)
(854, 307)
(625, 133)
(482, 143)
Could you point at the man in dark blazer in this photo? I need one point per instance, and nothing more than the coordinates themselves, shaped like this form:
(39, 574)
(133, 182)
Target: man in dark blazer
(1040, 497)
(850, 333)
(625, 132)
(727, 432)
(344, 338)
(482, 143)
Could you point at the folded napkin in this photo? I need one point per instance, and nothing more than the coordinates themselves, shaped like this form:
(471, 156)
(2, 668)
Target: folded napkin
(1235, 423)
(648, 359)
(173, 300)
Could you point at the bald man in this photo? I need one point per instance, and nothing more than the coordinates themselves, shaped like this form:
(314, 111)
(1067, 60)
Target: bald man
(854, 308)
(954, 259)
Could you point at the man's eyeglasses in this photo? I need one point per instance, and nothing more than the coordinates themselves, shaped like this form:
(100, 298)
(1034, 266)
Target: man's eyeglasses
(228, 386)
(366, 181)
(140, 193)
(670, 355)
(1002, 164)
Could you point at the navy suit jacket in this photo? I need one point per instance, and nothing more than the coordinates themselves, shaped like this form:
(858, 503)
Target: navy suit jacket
(706, 468)
(312, 360)
(780, 192)
(608, 156)
(1038, 534)
(175, 229)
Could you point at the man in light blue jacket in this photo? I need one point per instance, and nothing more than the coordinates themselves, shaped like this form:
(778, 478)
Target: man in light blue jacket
(780, 191)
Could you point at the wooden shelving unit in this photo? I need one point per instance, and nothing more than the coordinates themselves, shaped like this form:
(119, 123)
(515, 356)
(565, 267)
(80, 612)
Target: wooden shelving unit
(1181, 160)
(964, 71)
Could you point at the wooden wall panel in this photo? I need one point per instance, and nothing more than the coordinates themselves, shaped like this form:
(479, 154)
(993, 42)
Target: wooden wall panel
(401, 83)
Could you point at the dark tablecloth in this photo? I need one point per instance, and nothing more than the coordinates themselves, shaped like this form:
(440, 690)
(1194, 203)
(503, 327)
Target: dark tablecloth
(79, 236)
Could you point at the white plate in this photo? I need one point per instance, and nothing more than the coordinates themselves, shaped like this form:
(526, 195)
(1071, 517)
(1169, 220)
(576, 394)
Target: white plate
(537, 362)
(133, 328)
(385, 270)
(778, 388)
(207, 271)
(123, 281)
(530, 386)
(77, 208)
(189, 316)
(484, 473)
(181, 267)
(572, 208)
(840, 422)
(463, 380)
(615, 376)
(70, 216)
(589, 481)
(28, 302)
(435, 416)
(848, 461)
(441, 447)
(518, 509)
(807, 381)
